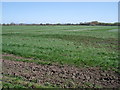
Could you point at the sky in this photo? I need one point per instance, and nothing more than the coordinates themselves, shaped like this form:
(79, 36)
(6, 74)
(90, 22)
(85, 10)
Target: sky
(59, 12)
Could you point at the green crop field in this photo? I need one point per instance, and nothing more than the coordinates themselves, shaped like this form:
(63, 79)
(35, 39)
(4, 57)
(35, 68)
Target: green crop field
(78, 46)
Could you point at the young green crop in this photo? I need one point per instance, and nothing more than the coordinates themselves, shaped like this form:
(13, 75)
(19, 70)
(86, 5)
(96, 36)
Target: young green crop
(81, 46)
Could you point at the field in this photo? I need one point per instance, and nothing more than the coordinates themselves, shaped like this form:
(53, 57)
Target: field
(60, 56)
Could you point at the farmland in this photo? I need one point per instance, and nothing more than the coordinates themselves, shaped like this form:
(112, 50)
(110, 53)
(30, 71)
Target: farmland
(60, 56)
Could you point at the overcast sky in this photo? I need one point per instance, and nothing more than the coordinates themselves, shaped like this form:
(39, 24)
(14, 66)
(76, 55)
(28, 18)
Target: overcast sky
(59, 12)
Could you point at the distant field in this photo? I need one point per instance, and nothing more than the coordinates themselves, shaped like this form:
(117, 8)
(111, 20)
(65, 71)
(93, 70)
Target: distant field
(72, 46)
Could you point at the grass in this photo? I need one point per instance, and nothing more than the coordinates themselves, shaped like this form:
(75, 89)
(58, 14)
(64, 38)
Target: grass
(87, 46)
(17, 82)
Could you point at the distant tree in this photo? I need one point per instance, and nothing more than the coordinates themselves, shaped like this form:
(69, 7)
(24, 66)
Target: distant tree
(12, 23)
(41, 24)
(47, 24)
(68, 23)
(58, 24)
(21, 23)
(94, 23)
(117, 23)
(3, 24)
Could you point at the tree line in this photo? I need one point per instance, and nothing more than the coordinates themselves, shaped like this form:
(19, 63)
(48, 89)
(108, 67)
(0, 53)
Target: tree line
(93, 23)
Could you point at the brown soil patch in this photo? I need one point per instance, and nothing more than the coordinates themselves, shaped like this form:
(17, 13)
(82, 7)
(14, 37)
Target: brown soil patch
(63, 76)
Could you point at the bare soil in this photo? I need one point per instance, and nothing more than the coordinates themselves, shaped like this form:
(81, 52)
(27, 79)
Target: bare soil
(62, 75)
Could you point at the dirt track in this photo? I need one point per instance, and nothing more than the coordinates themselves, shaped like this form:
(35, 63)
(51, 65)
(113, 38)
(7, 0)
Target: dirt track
(63, 76)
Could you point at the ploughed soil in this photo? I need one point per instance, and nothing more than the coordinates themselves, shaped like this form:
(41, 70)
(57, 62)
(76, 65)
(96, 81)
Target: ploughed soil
(62, 75)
